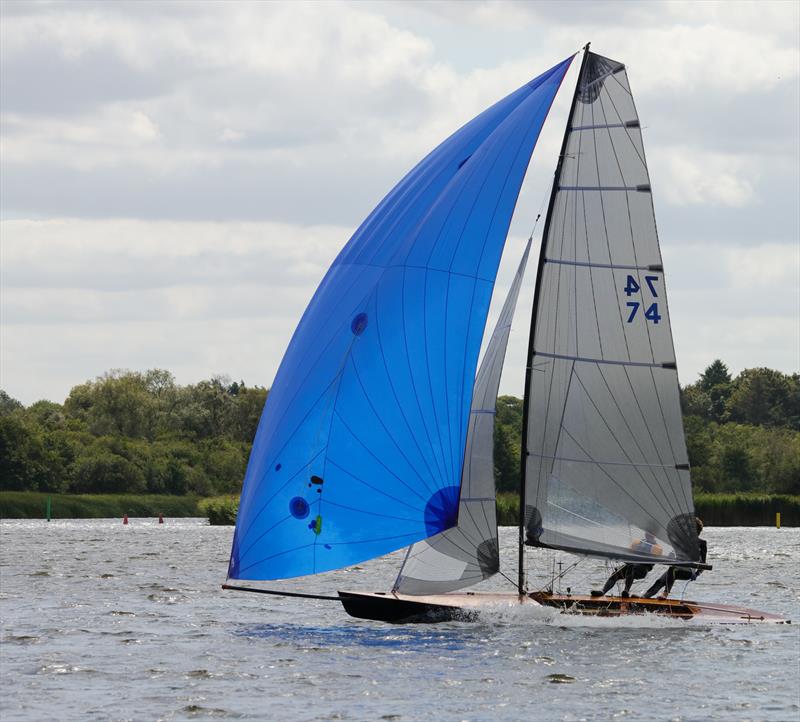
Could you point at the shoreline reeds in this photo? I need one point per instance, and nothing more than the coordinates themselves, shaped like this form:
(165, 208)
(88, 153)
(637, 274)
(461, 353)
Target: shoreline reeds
(740, 509)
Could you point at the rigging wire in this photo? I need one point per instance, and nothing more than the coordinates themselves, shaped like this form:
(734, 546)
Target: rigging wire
(560, 574)
(545, 198)
(507, 578)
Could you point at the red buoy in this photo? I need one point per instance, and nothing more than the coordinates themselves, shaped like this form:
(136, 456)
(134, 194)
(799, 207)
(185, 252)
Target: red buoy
(160, 518)
(125, 519)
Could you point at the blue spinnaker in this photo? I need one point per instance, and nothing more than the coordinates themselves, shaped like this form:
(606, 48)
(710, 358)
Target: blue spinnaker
(360, 447)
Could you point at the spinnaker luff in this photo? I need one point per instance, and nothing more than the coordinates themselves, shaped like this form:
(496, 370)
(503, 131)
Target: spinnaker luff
(360, 447)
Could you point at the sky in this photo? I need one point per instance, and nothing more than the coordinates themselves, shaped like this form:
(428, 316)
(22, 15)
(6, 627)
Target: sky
(175, 178)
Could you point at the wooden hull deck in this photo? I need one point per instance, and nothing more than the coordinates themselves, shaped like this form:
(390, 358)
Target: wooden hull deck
(403, 608)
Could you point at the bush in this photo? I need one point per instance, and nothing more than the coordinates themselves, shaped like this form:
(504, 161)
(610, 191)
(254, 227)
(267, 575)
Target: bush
(221, 511)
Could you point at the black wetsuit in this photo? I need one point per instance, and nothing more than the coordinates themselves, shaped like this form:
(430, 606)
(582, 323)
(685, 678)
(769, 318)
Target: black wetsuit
(667, 579)
(628, 572)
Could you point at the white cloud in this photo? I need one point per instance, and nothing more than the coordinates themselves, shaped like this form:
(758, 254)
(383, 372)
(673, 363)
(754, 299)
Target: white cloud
(202, 298)
(300, 116)
(695, 177)
(228, 135)
(770, 267)
(143, 127)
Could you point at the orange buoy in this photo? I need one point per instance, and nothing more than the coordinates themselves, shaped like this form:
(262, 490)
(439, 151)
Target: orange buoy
(125, 519)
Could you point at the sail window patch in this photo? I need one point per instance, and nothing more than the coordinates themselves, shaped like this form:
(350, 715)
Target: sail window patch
(298, 507)
(359, 324)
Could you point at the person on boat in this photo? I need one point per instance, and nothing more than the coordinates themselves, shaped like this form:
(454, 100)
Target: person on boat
(667, 579)
(632, 571)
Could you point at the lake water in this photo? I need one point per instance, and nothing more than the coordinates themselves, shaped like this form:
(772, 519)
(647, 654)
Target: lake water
(102, 621)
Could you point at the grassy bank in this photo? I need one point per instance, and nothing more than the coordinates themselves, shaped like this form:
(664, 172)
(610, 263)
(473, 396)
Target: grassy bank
(33, 505)
(747, 509)
(713, 509)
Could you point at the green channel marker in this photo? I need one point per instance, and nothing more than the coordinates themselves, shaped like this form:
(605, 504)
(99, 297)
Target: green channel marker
(49, 506)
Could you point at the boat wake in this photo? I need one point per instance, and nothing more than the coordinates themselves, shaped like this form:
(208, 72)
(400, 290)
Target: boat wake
(502, 614)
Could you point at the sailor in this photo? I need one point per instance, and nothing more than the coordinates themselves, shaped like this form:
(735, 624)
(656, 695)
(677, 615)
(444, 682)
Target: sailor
(631, 572)
(667, 579)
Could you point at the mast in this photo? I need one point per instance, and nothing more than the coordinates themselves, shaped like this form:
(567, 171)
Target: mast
(528, 366)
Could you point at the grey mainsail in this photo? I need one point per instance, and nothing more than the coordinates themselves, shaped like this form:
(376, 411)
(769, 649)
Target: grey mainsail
(469, 552)
(605, 457)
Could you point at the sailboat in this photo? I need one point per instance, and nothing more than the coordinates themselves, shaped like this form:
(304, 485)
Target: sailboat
(377, 432)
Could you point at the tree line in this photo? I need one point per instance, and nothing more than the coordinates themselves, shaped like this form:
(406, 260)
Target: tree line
(742, 433)
(130, 432)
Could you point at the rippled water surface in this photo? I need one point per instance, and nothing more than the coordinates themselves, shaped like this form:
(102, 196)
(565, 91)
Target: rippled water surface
(105, 621)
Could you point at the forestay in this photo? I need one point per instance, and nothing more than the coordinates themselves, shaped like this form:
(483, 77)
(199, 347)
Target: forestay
(606, 459)
(469, 552)
(360, 447)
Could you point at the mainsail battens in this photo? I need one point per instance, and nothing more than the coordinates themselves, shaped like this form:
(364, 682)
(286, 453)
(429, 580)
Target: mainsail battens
(643, 188)
(583, 359)
(604, 456)
(371, 403)
(615, 266)
(601, 126)
(600, 462)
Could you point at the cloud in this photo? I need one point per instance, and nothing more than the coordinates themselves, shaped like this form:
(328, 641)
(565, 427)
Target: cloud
(79, 297)
(702, 178)
(176, 177)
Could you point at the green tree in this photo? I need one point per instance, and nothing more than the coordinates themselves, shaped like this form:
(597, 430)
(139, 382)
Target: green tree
(736, 466)
(46, 414)
(249, 403)
(696, 402)
(716, 374)
(26, 461)
(509, 413)
(107, 473)
(506, 458)
(714, 388)
(117, 403)
(765, 397)
(7, 404)
(698, 441)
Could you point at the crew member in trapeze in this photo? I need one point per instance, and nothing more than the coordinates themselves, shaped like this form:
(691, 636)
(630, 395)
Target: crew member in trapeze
(667, 579)
(632, 571)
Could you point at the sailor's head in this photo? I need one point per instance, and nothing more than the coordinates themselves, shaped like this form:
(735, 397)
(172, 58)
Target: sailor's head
(699, 522)
(649, 537)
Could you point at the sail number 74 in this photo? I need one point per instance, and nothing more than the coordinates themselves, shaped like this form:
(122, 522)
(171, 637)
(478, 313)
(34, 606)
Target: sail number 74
(631, 287)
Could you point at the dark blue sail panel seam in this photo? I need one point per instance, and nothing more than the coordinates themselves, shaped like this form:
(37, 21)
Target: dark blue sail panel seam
(453, 255)
(519, 152)
(411, 488)
(383, 425)
(399, 409)
(379, 268)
